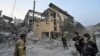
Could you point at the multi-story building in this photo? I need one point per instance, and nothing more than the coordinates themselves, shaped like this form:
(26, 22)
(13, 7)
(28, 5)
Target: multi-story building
(5, 25)
(50, 21)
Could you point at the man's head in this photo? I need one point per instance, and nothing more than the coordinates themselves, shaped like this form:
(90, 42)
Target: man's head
(76, 33)
(86, 36)
(65, 32)
(23, 36)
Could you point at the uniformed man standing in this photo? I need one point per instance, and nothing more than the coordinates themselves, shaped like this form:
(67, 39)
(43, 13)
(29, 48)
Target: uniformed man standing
(64, 36)
(20, 49)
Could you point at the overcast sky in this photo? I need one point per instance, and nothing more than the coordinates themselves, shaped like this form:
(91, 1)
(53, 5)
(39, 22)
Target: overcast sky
(85, 11)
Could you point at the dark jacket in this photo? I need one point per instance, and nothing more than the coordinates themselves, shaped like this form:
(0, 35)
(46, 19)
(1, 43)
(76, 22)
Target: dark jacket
(63, 39)
(64, 36)
(79, 42)
(91, 47)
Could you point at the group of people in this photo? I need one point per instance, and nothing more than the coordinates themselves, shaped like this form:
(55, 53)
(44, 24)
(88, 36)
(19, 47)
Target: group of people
(85, 45)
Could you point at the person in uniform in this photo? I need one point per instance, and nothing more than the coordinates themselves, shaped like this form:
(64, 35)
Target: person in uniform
(20, 49)
(64, 36)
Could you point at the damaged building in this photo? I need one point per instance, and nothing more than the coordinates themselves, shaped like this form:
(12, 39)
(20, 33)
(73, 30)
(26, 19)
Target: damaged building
(6, 26)
(51, 21)
(10, 28)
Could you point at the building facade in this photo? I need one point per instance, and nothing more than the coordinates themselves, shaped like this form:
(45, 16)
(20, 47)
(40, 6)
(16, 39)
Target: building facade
(51, 20)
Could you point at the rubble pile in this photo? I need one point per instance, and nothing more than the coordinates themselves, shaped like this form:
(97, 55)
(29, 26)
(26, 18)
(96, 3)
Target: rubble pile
(44, 43)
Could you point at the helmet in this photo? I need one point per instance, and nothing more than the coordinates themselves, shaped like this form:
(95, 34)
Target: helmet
(65, 32)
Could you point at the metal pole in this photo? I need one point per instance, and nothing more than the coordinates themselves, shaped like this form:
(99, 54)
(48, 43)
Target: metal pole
(13, 8)
(0, 13)
(33, 15)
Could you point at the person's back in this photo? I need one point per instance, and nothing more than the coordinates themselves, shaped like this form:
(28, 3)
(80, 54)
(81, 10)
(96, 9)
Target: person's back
(90, 46)
(20, 47)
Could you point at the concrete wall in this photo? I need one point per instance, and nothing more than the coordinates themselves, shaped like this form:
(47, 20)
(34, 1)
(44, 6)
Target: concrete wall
(42, 26)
